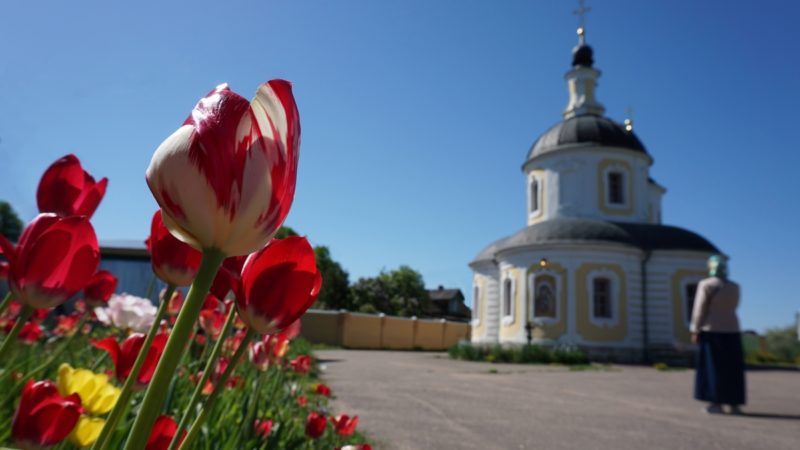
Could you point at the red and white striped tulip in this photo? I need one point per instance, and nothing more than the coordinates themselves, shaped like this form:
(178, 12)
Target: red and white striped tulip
(226, 178)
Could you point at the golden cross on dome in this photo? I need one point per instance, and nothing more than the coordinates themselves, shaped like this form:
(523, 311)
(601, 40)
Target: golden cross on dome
(581, 13)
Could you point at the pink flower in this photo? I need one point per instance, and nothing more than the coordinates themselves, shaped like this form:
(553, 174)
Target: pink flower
(128, 312)
(226, 178)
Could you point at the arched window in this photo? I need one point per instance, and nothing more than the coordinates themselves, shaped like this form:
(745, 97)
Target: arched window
(507, 297)
(534, 194)
(616, 188)
(476, 311)
(544, 300)
(601, 303)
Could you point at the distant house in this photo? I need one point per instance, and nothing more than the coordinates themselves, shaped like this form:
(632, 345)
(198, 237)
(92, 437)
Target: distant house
(129, 261)
(448, 304)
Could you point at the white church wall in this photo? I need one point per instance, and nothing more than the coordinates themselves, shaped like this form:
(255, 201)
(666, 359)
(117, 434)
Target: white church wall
(486, 327)
(574, 184)
(668, 273)
(564, 261)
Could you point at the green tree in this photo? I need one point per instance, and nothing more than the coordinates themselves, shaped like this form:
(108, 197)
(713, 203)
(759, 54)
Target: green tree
(398, 292)
(783, 343)
(10, 225)
(284, 232)
(335, 292)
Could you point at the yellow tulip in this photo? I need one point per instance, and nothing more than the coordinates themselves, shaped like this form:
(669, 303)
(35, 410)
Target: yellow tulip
(98, 396)
(86, 431)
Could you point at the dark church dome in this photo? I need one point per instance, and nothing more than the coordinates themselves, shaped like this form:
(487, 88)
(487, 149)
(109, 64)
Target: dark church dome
(586, 129)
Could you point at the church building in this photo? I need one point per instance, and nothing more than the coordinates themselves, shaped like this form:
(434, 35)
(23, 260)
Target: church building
(594, 267)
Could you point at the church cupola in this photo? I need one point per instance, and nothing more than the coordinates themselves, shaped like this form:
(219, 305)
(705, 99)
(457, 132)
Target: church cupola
(582, 78)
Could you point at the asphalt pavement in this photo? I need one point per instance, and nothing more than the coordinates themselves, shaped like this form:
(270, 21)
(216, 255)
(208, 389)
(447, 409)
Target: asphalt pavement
(419, 400)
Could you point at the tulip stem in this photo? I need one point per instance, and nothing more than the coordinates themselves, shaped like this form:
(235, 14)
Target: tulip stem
(176, 345)
(8, 343)
(198, 390)
(127, 389)
(6, 302)
(218, 388)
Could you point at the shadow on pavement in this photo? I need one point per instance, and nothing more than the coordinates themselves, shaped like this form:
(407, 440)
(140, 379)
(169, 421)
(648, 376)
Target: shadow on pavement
(770, 416)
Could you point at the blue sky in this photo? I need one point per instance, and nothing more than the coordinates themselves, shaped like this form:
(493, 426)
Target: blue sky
(417, 115)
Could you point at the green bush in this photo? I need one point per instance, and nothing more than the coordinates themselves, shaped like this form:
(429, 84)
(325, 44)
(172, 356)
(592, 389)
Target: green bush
(525, 354)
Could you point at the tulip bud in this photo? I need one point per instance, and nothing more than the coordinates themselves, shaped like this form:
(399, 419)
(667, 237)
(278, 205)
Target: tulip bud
(67, 190)
(226, 178)
(53, 260)
(279, 283)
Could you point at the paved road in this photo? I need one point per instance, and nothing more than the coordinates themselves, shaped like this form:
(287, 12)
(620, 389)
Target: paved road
(415, 400)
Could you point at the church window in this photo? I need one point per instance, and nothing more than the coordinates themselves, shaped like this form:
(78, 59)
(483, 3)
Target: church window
(602, 298)
(691, 291)
(616, 188)
(544, 301)
(507, 304)
(534, 195)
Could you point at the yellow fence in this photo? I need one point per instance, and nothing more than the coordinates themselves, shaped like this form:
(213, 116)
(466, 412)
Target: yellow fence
(378, 331)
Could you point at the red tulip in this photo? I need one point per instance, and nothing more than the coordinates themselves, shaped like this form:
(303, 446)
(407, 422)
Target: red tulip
(315, 425)
(162, 433)
(30, 332)
(54, 259)
(100, 288)
(263, 427)
(302, 401)
(226, 178)
(323, 389)
(124, 356)
(175, 303)
(355, 447)
(173, 261)
(211, 321)
(229, 277)
(66, 325)
(267, 350)
(344, 425)
(301, 364)
(68, 190)
(279, 283)
(43, 417)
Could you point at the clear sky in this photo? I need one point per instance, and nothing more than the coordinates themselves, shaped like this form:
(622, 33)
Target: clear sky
(418, 114)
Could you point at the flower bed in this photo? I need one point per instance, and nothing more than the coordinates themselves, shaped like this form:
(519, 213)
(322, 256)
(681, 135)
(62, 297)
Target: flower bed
(120, 372)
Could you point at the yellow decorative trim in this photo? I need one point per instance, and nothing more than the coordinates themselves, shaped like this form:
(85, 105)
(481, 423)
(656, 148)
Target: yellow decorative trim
(602, 191)
(679, 328)
(512, 329)
(551, 330)
(586, 328)
(539, 216)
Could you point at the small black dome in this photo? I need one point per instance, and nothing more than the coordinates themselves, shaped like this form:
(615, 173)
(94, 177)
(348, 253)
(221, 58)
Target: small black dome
(587, 128)
(582, 55)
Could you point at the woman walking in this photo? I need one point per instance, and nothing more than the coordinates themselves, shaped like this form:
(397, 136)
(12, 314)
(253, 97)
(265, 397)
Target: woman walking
(719, 378)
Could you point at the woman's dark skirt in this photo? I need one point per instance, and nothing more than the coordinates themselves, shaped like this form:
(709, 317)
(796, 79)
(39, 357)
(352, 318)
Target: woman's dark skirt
(720, 369)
